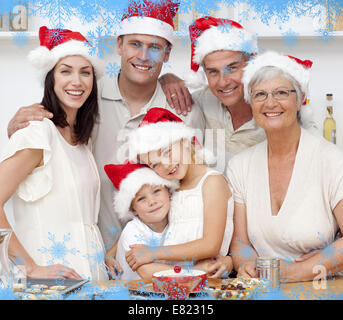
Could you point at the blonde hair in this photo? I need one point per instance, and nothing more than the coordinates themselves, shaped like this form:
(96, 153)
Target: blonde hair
(196, 154)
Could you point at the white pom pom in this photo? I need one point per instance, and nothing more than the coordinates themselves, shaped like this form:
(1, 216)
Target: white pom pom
(41, 58)
(204, 155)
(195, 80)
(306, 115)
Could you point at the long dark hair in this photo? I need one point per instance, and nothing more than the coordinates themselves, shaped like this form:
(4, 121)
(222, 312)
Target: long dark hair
(86, 116)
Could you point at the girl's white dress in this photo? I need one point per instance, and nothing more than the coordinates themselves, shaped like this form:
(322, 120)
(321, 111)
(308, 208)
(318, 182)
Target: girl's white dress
(56, 207)
(186, 217)
(305, 220)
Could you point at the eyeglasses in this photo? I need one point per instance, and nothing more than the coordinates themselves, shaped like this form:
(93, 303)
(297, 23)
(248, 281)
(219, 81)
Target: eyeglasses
(277, 94)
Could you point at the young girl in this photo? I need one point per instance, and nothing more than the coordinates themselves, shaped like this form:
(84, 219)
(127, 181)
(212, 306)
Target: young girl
(50, 171)
(142, 197)
(200, 219)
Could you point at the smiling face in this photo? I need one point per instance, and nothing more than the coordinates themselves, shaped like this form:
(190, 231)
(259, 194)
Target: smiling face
(73, 78)
(272, 114)
(142, 57)
(151, 204)
(171, 162)
(224, 71)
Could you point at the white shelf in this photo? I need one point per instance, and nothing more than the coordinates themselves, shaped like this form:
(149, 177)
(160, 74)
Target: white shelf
(312, 35)
(8, 35)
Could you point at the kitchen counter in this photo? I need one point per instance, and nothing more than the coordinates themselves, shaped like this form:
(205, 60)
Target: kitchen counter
(119, 290)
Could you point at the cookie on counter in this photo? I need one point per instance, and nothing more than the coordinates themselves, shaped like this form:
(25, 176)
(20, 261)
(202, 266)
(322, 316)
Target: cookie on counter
(19, 287)
(33, 290)
(58, 288)
(40, 286)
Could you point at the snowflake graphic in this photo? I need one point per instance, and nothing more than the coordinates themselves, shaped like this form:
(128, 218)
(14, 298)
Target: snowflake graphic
(325, 35)
(205, 7)
(113, 233)
(112, 69)
(225, 26)
(58, 249)
(183, 33)
(109, 20)
(57, 11)
(185, 7)
(97, 257)
(151, 241)
(100, 42)
(56, 35)
(89, 11)
(20, 39)
(6, 293)
(167, 66)
(249, 46)
(290, 38)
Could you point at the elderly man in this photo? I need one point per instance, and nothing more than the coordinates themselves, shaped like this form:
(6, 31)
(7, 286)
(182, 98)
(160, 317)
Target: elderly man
(220, 50)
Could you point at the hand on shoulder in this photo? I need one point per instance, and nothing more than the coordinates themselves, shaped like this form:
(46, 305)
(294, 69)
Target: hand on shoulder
(34, 112)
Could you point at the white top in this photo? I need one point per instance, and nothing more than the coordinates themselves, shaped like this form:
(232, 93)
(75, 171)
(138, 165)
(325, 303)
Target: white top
(56, 207)
(109, 137)
(305, 220)
(135, 232)
(220, 134)
(186, 217)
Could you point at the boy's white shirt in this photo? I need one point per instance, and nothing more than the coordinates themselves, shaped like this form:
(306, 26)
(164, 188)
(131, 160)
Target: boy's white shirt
(136, 232)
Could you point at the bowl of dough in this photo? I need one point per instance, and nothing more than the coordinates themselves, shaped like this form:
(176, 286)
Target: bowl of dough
(179, 282)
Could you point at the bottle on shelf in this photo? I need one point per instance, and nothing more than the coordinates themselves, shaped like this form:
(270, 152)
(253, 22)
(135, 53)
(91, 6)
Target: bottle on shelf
(329, 125)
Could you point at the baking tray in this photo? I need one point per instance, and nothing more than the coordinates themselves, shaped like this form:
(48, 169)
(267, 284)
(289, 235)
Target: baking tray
(71, 284)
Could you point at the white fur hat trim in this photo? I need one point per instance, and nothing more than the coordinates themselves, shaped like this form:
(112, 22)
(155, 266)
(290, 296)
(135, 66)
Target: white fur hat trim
(155, 136)
(44, 59)
(271, 58)
(230, 38)
(146, 25)
(131, 185)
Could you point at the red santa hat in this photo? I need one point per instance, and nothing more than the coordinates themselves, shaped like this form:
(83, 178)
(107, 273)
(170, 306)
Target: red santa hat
(160, 128)
(210, 34)
(153, 17)
(56, 44)
(128, 178)
(297, 68)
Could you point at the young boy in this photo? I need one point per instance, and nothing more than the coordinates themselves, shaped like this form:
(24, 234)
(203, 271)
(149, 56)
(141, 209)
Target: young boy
(144, 198)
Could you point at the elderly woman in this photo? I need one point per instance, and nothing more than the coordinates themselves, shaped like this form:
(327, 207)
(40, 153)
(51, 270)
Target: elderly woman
(288, 189)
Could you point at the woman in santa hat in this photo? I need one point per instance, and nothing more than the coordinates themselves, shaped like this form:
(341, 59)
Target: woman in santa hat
(288, 189)
(50, 171)
(200, 218)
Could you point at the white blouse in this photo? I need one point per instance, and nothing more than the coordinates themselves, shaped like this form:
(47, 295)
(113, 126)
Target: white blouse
(186, 217)
(56, 207)
(305, 220)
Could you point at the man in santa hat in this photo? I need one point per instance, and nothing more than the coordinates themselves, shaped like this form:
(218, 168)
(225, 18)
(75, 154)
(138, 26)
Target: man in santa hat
(220, 49)
(144, 42)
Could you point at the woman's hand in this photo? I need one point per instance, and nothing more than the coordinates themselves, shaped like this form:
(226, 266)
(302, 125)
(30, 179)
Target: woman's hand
(289, 271)
(218, 267)
(138, 255)
(221, 268)
(51, 272)
(113, 267)
(247, 270)
(176, 93)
